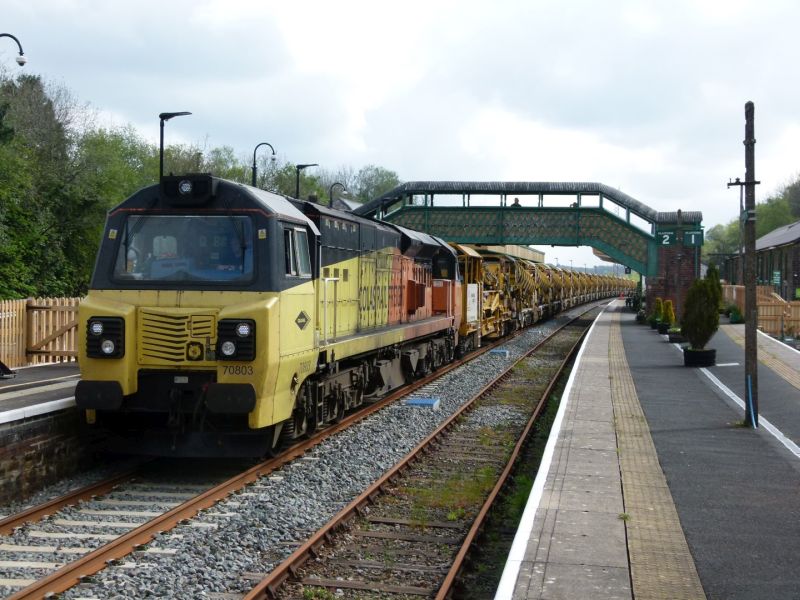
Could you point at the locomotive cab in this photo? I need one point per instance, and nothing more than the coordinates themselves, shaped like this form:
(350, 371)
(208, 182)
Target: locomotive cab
(183, 347)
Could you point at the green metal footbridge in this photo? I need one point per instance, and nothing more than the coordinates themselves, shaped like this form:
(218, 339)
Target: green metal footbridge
(592, 214)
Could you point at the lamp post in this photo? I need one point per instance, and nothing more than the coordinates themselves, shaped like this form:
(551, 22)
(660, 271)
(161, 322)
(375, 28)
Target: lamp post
(330, 192)
(297, 169)
(165, 116)
(21, 59)
(272, 158)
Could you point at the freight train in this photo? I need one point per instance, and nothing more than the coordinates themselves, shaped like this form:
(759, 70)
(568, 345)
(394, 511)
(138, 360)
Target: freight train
(226, 320)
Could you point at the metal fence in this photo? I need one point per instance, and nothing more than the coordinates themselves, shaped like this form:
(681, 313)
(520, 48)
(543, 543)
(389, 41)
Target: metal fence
(38, 330)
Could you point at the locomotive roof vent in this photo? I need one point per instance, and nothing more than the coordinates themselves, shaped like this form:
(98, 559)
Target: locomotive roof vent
(194, 189)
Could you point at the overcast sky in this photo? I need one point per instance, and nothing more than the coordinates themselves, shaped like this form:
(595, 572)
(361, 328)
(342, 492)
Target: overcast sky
(647, 97)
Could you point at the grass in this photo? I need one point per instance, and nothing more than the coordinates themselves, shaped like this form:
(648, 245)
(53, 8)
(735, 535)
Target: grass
(317, 593)
(489, 436)
(518, 498)
(456, 495)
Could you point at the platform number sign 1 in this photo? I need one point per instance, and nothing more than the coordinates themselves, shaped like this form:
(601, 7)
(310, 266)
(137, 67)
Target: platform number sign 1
(692, 238)
(666, 238)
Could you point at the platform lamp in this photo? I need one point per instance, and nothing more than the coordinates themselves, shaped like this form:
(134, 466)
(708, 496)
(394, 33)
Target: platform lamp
(299, 168)
(272, 158)
(330, 192)
(21, 59)
(165, 116)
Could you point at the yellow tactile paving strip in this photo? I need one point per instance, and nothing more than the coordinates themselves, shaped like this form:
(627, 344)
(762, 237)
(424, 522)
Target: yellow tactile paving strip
(765, 356)
(661, 564)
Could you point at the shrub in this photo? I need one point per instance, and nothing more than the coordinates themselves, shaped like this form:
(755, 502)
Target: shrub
(658, 309)
(700, 314)
(668, 314)
(734, 314)
(712, 275)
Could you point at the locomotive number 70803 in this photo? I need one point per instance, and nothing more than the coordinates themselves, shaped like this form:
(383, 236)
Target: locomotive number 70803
(237, 370)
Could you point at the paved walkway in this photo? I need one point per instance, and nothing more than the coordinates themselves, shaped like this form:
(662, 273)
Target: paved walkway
(648, 450)
(737, 490)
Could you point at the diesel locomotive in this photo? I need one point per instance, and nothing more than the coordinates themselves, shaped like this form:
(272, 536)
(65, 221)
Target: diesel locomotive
(224, 320)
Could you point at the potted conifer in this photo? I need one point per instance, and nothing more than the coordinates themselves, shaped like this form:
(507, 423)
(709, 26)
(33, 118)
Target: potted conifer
(712, 275)
(700, 322)
(655, 316)
(667, 318)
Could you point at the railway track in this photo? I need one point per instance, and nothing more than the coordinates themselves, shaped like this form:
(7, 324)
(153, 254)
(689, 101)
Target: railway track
(49, 547)
(75, 555)
(77, 542)
(407, 535)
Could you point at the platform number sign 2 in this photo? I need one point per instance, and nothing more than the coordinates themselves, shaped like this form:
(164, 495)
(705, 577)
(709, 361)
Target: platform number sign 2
(666, 238)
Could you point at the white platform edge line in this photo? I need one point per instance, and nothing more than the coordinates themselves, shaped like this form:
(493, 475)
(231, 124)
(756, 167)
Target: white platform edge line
(508, 580)
(762, 422)
(47, 364)
(774, 341)
(18, 414)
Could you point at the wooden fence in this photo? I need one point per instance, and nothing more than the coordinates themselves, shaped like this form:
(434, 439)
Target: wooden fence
(38, 330)
(776, 316)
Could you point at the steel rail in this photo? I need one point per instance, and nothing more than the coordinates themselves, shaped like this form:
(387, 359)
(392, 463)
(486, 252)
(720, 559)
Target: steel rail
(38, 512)
(268, 588)
(455, 569)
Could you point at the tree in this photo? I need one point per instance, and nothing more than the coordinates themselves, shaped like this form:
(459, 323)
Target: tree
(222, 162)
(60, 174)
(721, 240)
(6, 132)
(372, 181)
(35, 173)
(773, 213)
(792, 195)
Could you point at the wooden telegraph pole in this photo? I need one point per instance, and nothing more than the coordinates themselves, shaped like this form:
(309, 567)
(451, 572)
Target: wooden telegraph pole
(748, 216)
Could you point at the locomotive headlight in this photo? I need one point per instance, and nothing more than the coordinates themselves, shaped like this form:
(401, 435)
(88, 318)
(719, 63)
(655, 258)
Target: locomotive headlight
(185, 187)
(236, 339)
(105, 337)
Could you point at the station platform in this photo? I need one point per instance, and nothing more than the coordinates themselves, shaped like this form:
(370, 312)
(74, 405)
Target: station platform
(650, 487)
(38, 390)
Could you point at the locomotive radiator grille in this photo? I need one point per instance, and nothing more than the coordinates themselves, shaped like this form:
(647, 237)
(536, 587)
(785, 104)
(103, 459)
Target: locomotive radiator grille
(165, 337)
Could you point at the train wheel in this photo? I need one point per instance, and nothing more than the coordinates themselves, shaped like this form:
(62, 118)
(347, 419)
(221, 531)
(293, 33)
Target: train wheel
(297, 425)
(337, 409)
(276, 435)
(299, 422)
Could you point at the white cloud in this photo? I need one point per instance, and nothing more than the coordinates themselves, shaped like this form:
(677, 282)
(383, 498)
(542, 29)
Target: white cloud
(636, 94)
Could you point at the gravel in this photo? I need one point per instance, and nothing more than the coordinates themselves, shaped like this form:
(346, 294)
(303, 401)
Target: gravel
(68, 484)
(255, 529)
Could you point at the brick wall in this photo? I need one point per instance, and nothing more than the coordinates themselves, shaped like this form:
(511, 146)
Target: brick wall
(676, 266)
(41, 450)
